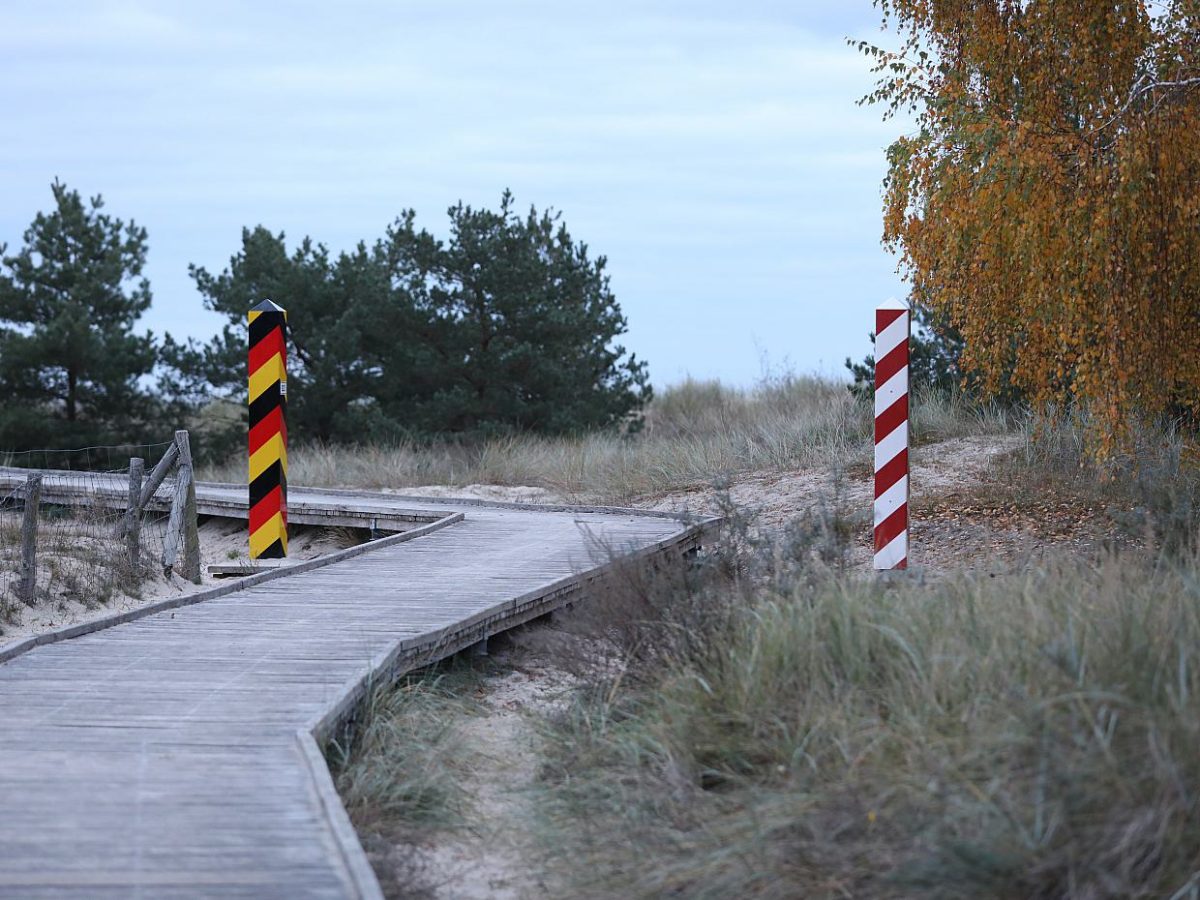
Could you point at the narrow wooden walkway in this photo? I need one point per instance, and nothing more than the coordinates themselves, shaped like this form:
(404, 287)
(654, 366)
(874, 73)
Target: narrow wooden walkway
(177, 755)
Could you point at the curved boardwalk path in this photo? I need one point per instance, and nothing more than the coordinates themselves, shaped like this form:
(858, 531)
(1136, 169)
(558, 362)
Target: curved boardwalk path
(176, 755)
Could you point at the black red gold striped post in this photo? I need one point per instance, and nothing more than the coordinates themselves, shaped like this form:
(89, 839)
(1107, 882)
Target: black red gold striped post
(268, 431)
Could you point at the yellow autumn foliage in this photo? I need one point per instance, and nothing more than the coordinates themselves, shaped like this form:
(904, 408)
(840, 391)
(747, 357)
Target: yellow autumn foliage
(1048, 205)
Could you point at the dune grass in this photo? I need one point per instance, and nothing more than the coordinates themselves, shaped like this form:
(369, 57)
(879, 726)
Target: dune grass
(1032, 736)
(399, 765)
(769, 724)
(783, 727)
(695, 433)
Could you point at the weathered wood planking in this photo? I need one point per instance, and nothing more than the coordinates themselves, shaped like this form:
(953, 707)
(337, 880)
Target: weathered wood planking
(174, 755)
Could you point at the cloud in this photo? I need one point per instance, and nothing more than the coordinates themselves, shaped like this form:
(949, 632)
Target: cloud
(715, 155)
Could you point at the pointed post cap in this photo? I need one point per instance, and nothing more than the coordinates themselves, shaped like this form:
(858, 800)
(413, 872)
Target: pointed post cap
(267, 306)
(890, 303)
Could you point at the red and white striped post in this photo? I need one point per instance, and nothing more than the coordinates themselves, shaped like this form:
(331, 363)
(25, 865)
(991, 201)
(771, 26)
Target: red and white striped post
(891, 435)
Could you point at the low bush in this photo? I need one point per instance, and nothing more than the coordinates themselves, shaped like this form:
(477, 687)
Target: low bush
(1151, 490)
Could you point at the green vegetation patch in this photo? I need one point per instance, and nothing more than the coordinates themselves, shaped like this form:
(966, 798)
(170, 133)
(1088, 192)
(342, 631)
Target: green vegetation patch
(398, 765)
(1025, 736)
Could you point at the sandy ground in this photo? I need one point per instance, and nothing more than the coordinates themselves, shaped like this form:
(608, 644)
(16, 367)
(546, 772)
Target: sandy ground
(222, 542)
(497, 493)
(774, 499)
(490, 859)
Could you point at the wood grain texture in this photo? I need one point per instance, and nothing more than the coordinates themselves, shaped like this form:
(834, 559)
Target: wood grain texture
(131, 523)
(176, 753)
(32, 495)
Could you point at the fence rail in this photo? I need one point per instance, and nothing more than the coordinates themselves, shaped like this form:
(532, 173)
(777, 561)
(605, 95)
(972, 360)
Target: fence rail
(52, 549)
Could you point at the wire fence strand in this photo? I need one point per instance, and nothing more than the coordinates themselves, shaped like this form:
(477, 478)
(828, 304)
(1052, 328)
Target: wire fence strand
(82, 552)
(98, 458)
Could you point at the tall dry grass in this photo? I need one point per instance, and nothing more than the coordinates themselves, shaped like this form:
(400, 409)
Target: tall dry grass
(399, 764)
(974, 737)
(399, 769)
(768, 724)
(695, 433)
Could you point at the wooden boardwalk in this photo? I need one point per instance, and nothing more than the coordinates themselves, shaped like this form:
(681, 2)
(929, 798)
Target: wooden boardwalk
(177, 755)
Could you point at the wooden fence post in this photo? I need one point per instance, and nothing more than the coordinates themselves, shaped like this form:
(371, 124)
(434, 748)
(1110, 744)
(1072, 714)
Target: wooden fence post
(191, 527)
(151, 484)
(27, 588)
(133, 515)
(182, 522)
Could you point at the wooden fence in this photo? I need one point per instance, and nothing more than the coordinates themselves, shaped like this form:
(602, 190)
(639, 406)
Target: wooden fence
(180, 547)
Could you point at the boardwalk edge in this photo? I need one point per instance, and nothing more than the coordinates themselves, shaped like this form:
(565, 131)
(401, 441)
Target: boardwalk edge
(350, 848)
(412, 653)
(66, 632)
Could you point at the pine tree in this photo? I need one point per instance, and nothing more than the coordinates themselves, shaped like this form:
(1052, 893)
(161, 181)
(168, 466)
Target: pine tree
(331, 303)
(513, 327)
(507, 326)
(71, 362)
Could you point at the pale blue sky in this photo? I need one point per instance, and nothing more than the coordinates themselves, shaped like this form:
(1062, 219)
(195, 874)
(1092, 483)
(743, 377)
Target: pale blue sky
(713, 151)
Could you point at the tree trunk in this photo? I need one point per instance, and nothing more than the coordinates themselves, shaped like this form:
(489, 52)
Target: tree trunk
(72, 383)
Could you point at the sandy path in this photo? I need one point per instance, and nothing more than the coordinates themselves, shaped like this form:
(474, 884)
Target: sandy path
(489, 858)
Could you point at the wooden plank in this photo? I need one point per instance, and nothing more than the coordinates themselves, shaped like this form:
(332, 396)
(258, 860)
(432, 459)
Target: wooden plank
(133, 516)
(173, 752)
(251, 568)
(191, 534)
(27, 586)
